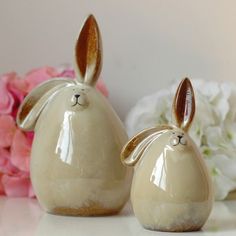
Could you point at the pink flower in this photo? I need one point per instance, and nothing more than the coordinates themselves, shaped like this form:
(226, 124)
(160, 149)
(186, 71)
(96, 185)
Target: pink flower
(7, 100)
(69, 73)
(16, 85)
(6, 166)
(31, 191)
(102, 87)
(16, 90)
(1, 185)
(20, 150)
(7, 130)
(37, 76)
(17, 186)
(13, 182)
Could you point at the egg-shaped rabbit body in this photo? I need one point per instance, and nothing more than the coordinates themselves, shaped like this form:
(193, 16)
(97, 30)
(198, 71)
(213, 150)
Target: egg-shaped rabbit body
(162, 193)
(171, 188)
(78, 169)
(75, 164)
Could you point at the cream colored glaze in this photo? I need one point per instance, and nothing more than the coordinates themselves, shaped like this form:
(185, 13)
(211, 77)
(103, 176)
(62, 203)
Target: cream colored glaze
(171, 189)
(75, 164)
(162, 194)
(75, 154)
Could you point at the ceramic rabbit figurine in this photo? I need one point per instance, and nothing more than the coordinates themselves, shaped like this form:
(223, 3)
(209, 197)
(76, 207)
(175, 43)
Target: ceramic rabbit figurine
(171, 188)
(75, 165)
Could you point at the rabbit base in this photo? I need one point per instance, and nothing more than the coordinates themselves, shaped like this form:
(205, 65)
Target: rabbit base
(184, 228)
(171, 217)
(94, 209)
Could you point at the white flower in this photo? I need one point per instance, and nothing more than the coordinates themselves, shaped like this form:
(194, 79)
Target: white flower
(149, 111)
(213, 128)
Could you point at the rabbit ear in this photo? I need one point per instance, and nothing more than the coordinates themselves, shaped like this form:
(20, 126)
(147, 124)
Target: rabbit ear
(88, 52)
(36, 100)
(134, 149)
(184, 105)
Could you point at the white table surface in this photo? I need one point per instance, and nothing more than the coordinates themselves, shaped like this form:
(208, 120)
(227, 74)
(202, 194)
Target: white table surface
(23, 217)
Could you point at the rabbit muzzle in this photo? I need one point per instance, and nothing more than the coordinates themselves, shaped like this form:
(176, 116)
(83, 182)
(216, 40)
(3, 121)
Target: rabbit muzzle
(178, 139)
(79, 100)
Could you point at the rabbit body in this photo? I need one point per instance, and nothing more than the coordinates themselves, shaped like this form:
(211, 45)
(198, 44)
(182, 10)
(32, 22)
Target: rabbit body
(171, 188)
(170, 191)
(75, 166)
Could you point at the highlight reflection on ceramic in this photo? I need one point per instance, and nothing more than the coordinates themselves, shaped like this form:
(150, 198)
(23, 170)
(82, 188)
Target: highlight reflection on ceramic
(171, 188)
(75, 165)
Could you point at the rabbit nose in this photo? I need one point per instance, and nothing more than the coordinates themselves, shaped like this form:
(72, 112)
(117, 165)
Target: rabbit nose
(77, 95)
(179, 136)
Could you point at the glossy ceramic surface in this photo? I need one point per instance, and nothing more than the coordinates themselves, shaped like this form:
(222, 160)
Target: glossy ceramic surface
(75, 165)
(171, 188)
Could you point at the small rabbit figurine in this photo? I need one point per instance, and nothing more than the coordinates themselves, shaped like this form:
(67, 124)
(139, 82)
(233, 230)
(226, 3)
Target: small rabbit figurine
(171, 188)
(75, 165)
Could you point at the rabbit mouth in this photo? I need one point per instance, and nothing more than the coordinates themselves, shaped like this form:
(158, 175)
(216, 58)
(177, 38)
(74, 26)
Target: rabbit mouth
(179, 141)
(77, 103)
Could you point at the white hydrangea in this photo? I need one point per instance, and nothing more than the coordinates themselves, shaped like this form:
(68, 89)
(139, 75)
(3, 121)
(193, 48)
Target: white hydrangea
(213, 128)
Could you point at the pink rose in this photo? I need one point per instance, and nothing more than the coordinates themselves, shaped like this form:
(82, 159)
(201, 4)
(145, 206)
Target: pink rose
(16, 89)
(1, 185)
(13, 182)
(20, 150)
(102, 87)
(7, 100)
(37, 76)
(6, 166)
(69, 73)
(16, 85)
(7, 130)
(17, 186)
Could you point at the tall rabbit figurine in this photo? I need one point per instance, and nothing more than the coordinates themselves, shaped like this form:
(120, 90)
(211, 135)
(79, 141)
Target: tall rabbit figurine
(171, 188)
(75, 165)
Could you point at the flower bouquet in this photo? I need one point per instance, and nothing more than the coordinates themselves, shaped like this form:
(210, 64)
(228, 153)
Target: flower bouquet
(15, 145)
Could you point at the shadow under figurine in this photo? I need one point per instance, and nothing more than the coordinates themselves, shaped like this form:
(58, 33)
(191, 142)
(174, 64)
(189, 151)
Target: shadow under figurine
(171, 188)
(75, 164)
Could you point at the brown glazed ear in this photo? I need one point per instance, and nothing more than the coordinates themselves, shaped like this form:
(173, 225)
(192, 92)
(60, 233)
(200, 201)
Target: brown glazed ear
(88, 52)
(36, 100)
(135, 147)
(184, 105)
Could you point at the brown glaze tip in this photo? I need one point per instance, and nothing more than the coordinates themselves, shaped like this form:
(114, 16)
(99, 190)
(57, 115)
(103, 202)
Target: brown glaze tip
(24, 112)
(184, 105)
(94, 209)
(188, 227)
(88, 51)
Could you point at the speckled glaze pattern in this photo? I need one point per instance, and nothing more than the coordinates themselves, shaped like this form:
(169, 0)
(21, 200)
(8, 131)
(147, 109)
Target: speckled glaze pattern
(75, 164)
(171, 188)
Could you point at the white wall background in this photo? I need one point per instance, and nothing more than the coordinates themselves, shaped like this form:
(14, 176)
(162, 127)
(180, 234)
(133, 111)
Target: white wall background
(146, 43)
